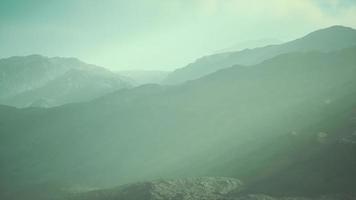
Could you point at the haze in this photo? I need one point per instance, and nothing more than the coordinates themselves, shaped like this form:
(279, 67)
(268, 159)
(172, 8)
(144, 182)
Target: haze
(157, 34)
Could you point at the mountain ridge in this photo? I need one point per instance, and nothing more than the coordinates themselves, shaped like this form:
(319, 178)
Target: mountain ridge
(30, 80)
(320, 40)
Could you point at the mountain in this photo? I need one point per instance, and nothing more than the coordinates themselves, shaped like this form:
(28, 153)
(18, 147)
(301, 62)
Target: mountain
(45, 82)
(284, 127)
(141, 77)
(329, 39)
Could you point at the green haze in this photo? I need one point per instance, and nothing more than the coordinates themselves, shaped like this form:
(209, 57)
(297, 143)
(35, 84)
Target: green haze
(156, 34)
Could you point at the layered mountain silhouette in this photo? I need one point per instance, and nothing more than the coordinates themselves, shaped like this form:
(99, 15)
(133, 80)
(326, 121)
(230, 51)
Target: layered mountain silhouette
(329, 39)
(45, 82)
(284, 127)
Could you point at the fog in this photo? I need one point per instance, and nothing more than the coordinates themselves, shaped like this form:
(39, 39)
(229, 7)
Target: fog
(157, 34)
(177, 100)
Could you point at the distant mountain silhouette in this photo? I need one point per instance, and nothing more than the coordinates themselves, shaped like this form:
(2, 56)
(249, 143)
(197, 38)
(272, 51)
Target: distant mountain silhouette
(41, 81)
(329, 39)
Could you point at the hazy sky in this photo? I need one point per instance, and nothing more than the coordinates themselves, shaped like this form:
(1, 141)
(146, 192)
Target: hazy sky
(157, 34)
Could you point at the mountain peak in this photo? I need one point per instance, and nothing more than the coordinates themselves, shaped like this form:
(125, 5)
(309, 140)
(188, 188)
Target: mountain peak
(337, 27)
(26, 80)
(333, 31)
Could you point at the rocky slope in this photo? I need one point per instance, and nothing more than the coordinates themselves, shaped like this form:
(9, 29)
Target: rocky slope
(208, 188)
(177, 189)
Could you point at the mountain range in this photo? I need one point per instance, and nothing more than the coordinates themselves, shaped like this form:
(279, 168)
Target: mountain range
(282, 127)
(328, 39)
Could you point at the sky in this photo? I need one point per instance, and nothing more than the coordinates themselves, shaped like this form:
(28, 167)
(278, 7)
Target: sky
(157, 34)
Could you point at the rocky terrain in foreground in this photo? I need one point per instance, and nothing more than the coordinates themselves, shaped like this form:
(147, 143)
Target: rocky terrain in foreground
(207, 188)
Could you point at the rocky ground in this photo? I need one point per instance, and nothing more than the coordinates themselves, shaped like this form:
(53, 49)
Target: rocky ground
(208, 188)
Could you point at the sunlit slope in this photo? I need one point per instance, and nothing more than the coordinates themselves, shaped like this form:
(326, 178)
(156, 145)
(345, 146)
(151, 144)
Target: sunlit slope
(243, 122)
(329, 39)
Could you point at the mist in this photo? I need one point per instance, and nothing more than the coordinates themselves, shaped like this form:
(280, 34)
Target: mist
(177, 100)
(157, 34)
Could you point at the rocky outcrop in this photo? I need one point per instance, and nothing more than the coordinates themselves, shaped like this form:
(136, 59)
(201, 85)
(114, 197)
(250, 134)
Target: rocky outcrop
(208, 188)
(266, 197)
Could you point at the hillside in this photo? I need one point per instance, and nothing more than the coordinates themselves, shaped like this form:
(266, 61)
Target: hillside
(257, 124)
(324, 40)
